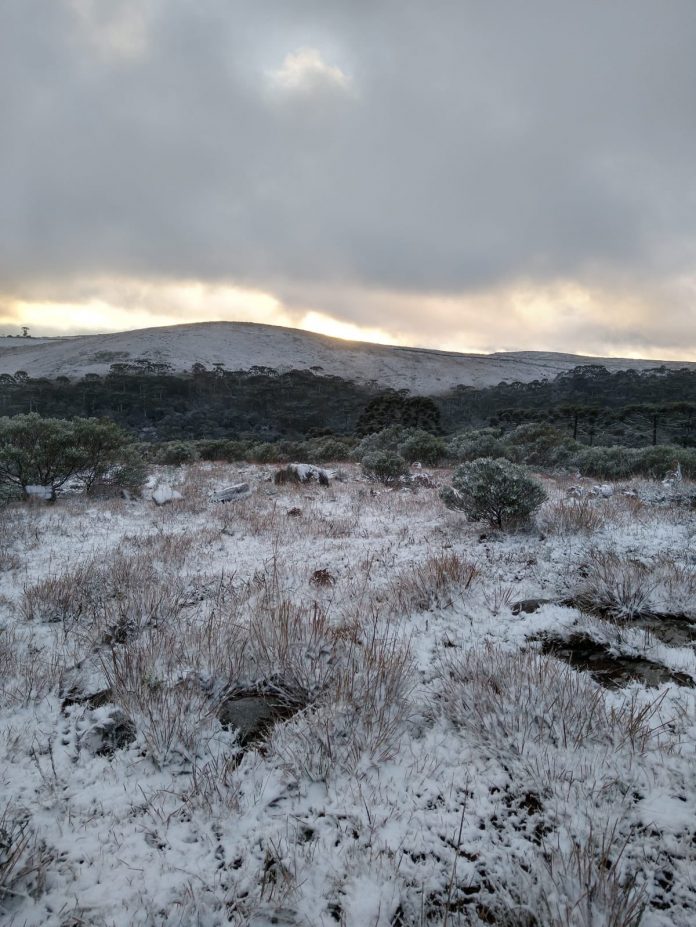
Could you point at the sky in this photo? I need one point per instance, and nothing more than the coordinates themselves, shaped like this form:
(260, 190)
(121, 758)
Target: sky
(472, 175)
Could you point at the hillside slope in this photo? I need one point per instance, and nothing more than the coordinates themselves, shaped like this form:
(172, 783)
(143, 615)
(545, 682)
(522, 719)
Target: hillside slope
(241, 345)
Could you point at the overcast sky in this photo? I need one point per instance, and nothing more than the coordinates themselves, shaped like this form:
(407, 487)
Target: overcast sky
(474, 174)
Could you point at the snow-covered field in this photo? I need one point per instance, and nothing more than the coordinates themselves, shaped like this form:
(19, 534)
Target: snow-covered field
(427, 755)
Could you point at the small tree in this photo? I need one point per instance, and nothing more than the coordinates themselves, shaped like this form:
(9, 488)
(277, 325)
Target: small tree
(47, 452)
(496, 491)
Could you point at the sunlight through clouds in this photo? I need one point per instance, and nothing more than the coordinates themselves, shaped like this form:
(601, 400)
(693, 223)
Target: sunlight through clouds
(305, 71)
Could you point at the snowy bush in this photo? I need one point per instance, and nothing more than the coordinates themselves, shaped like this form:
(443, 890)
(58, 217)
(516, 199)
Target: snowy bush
(385, 466)
(496, 491)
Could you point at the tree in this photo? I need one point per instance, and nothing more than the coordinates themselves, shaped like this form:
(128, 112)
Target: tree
(47, 452)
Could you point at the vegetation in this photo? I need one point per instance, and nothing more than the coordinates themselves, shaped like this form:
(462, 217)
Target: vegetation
(36, 451)
(496, 491)
(384, 466)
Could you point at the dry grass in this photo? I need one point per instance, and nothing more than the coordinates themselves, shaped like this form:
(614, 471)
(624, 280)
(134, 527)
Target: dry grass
(23, 859)
(521, 699)
(624, 588)
(567, 517)
(434, 583)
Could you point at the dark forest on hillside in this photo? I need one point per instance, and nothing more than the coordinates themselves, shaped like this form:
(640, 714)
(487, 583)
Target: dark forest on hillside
(155, 403)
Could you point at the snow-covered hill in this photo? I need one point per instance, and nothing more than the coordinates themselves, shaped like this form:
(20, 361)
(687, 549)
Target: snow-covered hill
(241, 345)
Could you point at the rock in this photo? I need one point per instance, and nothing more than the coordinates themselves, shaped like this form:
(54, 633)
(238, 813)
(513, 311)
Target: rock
(109, 729)
(604, 490)
(233, 493)
(45, 493)
(529, 606)
(301, 473)
(251, 716)
(164, 494)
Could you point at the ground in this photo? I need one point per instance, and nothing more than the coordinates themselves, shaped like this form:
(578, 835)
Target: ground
(428, 750)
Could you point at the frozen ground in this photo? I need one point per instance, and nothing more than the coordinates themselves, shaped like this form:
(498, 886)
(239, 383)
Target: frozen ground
(433, 760)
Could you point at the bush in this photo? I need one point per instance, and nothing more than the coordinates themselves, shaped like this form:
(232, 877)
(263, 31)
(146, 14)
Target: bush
(222, 449)
(385, 466)
(471, 445)
(47, 452)
(496, 491)
(176, 453)
(388, 439)
(424, 447)
(265, 452)
(324, 450)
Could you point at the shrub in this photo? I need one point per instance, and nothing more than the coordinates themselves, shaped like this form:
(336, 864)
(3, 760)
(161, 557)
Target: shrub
(424, 447)
(496, 491)
(176, 453)
(385, 466)
(471, 445)
(222, 449)
(48, 452)
(323, 450)
(265, 452)
(388, 439)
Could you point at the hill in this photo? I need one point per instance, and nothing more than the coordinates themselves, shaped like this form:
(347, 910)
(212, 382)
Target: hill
(243, 345)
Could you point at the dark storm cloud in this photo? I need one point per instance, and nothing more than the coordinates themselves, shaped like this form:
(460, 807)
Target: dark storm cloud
(412, 147)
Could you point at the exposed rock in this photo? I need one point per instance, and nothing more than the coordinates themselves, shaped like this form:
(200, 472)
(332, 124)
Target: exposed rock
(529, 606)
(252, 716)
(233, 493)
(44, 493)
(109, 729)
(301, 473)
(164, 493)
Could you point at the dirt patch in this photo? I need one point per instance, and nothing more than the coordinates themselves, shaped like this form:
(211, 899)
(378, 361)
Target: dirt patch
(610, 670)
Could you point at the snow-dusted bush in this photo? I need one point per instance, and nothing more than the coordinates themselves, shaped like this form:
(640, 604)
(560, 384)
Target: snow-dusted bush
(384, 466)
(496, 491)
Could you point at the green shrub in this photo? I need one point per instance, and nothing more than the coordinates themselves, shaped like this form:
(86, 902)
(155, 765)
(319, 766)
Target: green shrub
(324, 450)
(385, 466)
(424, 447)
(472, 445)
(222, 449)
(496, 491)
(388, 439)
(48, 452)
(176, 453)
(265, 452)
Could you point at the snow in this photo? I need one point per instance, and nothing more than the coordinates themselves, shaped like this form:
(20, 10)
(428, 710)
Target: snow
(241, 345)
(479, 758)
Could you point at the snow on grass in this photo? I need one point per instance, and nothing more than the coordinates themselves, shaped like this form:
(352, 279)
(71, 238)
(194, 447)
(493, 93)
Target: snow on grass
(430, 765)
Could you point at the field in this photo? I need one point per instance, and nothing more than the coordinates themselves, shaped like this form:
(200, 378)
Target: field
(347, 705)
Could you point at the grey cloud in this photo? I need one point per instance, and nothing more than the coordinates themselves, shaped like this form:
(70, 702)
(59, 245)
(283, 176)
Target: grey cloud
(480, 142)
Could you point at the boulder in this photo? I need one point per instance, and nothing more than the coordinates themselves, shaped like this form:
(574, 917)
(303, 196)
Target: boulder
(164, 493)
(233, 493)
(108, 729)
